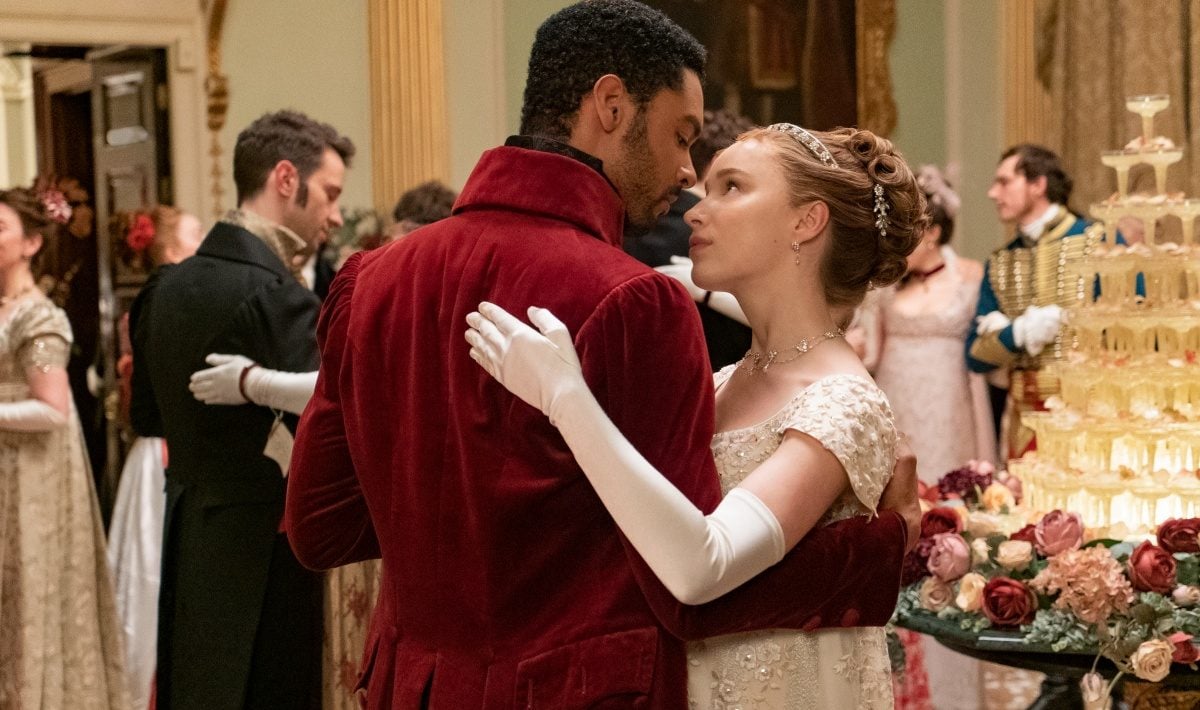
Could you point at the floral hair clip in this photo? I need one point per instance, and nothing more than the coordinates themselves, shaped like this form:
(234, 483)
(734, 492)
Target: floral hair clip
(141, 233)
(56, 205)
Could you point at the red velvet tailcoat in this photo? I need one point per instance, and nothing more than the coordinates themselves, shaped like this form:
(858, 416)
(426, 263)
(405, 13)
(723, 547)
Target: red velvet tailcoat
(506, 584)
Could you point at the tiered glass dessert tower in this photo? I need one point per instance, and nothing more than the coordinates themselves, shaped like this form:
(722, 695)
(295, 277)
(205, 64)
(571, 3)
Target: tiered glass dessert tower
(1121, 444)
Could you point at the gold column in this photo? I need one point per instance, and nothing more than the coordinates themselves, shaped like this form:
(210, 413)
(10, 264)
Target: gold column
(1026, 100)
(410, 142)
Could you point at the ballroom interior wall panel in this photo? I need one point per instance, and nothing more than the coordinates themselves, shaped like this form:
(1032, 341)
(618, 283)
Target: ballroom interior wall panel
(307, 55)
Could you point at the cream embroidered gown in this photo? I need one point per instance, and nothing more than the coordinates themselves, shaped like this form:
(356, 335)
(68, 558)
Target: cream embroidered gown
(794, 670)
(60, 643)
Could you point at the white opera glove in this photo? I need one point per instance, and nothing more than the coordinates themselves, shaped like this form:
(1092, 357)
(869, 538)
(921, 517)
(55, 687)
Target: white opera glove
(1037, 327)
(722, 302)
(697, 557)
(30, 415)
(288, 391)
(220, 384)
(993, 322)
(680, 269)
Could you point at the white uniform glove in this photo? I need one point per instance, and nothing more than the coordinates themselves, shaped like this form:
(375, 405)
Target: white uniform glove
(680, 269)
(30, 415)
(1037, 327)
(722, 302)
(697, 557)
(221, 384)
(993, 322)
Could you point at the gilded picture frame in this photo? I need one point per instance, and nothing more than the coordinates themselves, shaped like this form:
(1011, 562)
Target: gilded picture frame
(875, 27)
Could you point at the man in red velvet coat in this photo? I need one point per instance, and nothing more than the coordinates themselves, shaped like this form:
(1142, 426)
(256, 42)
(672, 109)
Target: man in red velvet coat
(506, 584)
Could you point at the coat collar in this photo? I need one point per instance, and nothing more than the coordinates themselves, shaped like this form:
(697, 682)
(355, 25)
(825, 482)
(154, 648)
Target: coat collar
(548, 184)
(233, 243)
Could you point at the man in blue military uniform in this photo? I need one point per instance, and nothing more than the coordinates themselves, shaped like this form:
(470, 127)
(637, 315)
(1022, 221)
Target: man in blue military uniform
(1026, 284)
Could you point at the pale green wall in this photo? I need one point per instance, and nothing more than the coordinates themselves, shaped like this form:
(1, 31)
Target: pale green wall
(307, 55)
(918, 61)
(979, 125)
(476, 82)
(946, 76)
(521, 20)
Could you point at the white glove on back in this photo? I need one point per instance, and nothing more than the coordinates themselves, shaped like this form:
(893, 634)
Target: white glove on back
(697, 557)
(221, 384)
(1037, 327)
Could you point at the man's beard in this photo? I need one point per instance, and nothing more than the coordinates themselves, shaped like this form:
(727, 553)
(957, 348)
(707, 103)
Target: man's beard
(635, 175)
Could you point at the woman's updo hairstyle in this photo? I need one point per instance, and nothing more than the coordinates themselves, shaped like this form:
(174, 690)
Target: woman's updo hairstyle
(860, 256)
(31, 211)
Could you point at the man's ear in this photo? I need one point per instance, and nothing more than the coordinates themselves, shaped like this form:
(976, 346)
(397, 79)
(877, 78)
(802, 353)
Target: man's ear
(286, 178)
(1038, 185)
(610, 100)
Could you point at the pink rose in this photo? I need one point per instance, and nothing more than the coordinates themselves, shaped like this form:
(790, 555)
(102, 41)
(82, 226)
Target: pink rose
(1058, 532)
(1014, 485)
(1152, 569)
(950, 557)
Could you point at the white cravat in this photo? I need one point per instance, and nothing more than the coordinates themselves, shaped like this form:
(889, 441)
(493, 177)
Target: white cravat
(1034, 229)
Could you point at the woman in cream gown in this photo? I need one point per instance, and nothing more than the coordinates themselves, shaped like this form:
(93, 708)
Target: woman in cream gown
(60, 644)
(795, 225)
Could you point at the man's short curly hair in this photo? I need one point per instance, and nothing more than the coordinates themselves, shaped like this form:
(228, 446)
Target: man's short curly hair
(721, 129)
(583, 42)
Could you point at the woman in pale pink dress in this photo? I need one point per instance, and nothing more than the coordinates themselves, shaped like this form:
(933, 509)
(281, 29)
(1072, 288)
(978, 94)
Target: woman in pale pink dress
(914, 334)
(913, 340)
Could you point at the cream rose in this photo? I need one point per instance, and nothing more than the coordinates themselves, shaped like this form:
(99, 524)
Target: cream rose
(996, 497)
(970, 592)
(983, 524)
(1186, 595)
(1014, 555)
(936, 595)
(1152, 660)
(980, 551)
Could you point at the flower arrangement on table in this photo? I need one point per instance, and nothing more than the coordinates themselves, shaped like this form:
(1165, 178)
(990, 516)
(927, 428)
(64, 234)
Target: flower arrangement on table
(979, 565)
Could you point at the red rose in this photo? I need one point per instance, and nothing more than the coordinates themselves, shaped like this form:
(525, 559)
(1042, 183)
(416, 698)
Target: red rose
(928, 493)
(1026, 534)
(1185, 650)
(916, 563)
(940, 520)
(1175, 535)
(1152, 569)
(141, 233)
(1008, 603)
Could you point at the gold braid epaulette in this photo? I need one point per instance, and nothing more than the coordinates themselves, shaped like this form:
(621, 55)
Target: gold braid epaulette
(1038, 276)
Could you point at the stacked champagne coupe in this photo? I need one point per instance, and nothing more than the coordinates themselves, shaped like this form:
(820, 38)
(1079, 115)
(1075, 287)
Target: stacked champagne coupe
(1121, 443)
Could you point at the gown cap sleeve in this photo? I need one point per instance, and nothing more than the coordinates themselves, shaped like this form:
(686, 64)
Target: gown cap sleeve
(850, 416)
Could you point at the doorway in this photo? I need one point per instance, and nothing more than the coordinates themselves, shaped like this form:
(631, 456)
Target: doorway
(101, 119)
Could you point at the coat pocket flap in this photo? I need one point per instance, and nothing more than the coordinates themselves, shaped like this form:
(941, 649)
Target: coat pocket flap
(585, 673)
